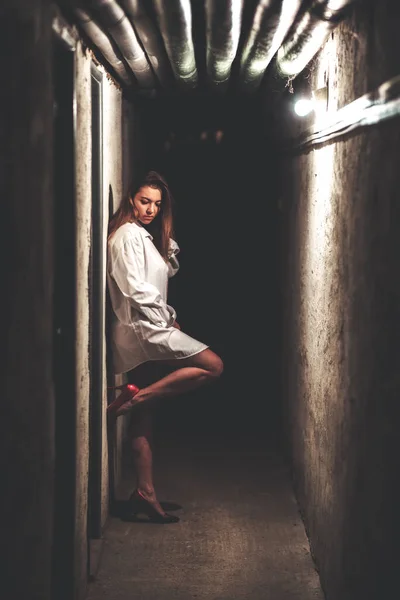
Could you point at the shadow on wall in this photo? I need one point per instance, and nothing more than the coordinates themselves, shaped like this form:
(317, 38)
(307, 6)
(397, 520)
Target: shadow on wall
(109, 367)
(112, 450)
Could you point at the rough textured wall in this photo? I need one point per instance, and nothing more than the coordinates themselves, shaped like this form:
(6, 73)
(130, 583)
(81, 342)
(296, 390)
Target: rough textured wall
(342, 321)
(124, 156)
(27, 394)
(114, 148)
(83, 224)
(114, 154)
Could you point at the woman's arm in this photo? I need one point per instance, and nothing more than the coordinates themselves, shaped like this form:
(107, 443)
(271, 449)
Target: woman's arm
(173, 264)
(127, 269)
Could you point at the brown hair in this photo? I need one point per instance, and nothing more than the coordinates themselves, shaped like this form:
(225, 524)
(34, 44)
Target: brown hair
(162, 227)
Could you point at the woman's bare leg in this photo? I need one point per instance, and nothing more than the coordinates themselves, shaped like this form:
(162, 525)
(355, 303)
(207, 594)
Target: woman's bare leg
(187, 374)
(141, 430)
(141, 434)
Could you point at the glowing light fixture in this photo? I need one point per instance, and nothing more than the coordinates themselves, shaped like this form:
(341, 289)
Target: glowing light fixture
(318, 103)
(304, 106)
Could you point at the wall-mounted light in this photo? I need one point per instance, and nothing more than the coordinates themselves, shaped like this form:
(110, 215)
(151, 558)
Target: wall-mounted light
(304, 106)
(318, 102)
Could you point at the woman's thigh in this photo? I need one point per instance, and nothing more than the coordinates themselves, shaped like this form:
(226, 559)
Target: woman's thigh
(206, 359)
(153, 370)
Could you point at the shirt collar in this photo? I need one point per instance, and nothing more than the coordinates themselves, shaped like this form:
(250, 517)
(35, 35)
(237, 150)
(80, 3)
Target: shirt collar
(143, 231)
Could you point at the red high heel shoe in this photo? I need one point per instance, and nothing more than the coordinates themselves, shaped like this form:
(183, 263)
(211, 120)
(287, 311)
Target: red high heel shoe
(129, 390)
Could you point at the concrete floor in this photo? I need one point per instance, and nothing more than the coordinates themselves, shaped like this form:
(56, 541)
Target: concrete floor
(240, 535)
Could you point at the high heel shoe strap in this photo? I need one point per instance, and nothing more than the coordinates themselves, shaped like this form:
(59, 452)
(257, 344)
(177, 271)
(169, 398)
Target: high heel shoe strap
(139, 504)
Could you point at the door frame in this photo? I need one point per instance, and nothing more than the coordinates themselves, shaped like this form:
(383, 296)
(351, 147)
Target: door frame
(96, 312)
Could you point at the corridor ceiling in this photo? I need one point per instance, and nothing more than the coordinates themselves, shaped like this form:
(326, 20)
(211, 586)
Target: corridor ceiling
(155, 47)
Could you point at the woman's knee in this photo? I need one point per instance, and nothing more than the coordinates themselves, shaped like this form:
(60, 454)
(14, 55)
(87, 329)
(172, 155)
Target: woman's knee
(209, 362)
(216, 367)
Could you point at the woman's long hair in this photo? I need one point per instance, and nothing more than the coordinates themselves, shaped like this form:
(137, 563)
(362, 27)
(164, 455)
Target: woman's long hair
(162, 226)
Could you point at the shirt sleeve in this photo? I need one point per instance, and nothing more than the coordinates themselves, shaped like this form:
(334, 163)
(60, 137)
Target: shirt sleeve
(127, 269)
(173, 264)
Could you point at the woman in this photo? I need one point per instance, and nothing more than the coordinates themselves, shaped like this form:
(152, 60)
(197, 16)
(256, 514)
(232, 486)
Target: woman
(142, 255)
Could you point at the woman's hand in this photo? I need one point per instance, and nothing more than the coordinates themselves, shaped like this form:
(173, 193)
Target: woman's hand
(176, 325)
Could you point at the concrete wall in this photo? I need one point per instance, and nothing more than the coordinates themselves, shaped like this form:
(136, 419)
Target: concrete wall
(26, 323)
(118, 168)
(83, 169)
(27, 393)
(125, 146)
(342, 313)
(121, 152)
(116, 113)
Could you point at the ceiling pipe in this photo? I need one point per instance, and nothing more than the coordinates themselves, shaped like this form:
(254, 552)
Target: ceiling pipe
(272, 20)
(151, 41)
(102, 42)
(309, 34)
(223, 25)
(175, 22)
(115, 22)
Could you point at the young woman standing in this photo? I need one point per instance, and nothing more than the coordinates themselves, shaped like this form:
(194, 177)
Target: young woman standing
(142, 256)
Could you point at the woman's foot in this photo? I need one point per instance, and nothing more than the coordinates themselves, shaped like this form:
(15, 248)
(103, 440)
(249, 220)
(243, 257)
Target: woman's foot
(147, 504)
(128, 392)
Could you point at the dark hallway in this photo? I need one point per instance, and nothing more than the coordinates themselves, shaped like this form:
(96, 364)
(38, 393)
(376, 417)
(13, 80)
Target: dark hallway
(227, 223)
(276, 125)
(219, 452)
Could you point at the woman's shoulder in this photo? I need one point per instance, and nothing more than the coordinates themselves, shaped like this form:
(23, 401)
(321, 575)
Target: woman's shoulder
(127, 231)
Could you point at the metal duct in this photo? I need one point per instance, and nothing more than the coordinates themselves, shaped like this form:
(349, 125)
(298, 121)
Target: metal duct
(103, 43)
(151, 41)
(223, 25)
(272, 21)
(115, 22)
(175, 23)
(309, 35)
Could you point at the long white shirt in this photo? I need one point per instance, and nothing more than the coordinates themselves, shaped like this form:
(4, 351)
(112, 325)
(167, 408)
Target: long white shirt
(137, 278)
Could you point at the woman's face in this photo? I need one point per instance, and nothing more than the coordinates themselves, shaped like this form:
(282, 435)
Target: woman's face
(146, 204)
